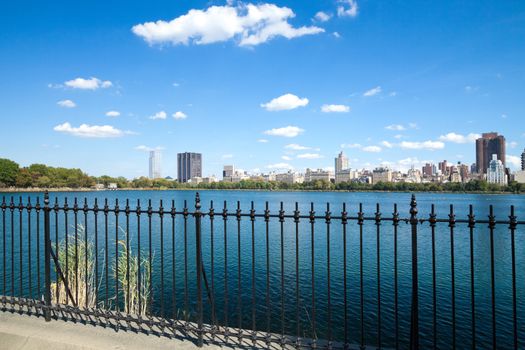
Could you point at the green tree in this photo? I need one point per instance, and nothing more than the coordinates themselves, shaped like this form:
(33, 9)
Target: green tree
(8, 172)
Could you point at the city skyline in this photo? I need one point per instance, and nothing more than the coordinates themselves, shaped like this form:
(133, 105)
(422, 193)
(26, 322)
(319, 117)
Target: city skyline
(113, 89)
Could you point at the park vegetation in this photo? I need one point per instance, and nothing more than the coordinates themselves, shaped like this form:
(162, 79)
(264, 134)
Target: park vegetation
(42, 176)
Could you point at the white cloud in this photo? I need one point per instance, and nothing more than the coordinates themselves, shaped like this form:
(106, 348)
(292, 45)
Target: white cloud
(286, 158)
(144, 148)
(280, 166)
(428, 145)
(513, 161)
(158, 115)
(247, 25)
(458, 138)
(285, 102)
(296, 147)
(112, 113)
(373, 149)
(322, 16)
(287, 131)
(262, 140)
(88, 84)
(348, 8)
(93, 131)
(309, 156)
(227, 156)
(398, 136)
(395, 127)
(175, 84)
(387, 144)
(513, 144)
(373, 91)
(351, 145)
(66, 104)
(336, 34)
(335, 109)
(179, 115)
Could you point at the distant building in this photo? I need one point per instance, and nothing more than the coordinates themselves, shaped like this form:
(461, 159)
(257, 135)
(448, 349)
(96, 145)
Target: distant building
(341, 162)
(345, 175)
(319, 174)
(444, 168)
(230, 174)
(496, 172)
(188, 165)
(429, 170)
(154, 164)
(523, 161)
(489, 144)
(381, 175)
(519, 176)
(290, 177)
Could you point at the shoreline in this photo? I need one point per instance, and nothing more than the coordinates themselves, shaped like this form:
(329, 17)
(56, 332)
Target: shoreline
(66, 189)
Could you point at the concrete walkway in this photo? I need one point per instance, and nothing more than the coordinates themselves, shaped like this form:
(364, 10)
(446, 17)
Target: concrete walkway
(25, 332)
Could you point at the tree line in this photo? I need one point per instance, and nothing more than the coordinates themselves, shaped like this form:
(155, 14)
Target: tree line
(43, 176)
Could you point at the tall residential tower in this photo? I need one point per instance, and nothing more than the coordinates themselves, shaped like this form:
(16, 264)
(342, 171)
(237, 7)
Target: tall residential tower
(188, 165)
(489, 144)
(154, 164)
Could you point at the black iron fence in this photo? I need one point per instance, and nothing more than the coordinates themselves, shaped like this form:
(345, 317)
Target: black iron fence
(267, 278)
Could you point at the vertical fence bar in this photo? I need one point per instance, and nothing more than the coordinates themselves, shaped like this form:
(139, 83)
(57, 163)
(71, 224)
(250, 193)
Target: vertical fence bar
(66, 247)
(173, 261)
(199, 268)
(56, 207)
(312, 237)
(433, 222)
(452, 224)
(106, 254)
(471, 225)
(30, 262)
(75, 212)
(21, 247)
(186, 302)
(86, 255)
(47, 259)
(252, 219)
(150, 259)
(95, 224)
(360, 222)
(139, 261)
(239, 262)
(267, 221)
(281, 221)
(344, 221)
(117, 296)
(4, 289)
(492, 225)
(11, 210)
(211, 214)
(161, 217)
(414, 320)
(395, 222)
(512, 227)
(297, 300)
(37, 207)
(328, 275)
(225, 221)
(378, 264)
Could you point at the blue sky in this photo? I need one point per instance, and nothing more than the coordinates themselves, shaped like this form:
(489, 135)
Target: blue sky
(263, 85)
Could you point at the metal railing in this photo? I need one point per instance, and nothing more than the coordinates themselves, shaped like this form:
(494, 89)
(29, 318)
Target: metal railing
(264, 278)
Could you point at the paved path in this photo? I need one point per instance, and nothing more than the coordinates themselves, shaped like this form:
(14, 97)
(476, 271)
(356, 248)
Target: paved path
(23, 332)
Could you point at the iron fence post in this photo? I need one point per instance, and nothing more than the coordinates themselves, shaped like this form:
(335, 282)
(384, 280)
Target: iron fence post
(414, 320)
(198, 217)
(47, 259)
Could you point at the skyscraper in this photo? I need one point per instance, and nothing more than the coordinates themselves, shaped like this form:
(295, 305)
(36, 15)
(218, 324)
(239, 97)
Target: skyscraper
(489, 144)
(496, 172)
(341, 162)
(188, 165)
(523, 160)
(154, 164)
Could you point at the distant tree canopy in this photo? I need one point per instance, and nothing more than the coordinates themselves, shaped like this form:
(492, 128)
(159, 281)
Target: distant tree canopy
(43, 176)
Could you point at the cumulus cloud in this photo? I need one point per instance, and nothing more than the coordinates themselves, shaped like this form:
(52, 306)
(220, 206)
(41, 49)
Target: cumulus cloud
(112, 113)
(428, 145)
(309, 156)
(179, 115)
(262, 140)
(247, 25)
(296, 147)
(144, 148)
(280, 166)
(66, 104)
(285, 102)
(88, 84)
(458, 138)
(513, 161)
(372, 149)
(373, 91)
(286, 158)
(287, 131)
(395, 127)
(91, 131)
(158, 115)
(351, 145)
(387, 144)
(348, 8)
(322, 16)
(335, 109)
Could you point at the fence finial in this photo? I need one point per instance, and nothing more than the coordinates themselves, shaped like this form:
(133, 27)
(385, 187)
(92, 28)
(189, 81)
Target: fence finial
(197, 201)
(46, 198)
(413, 208)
